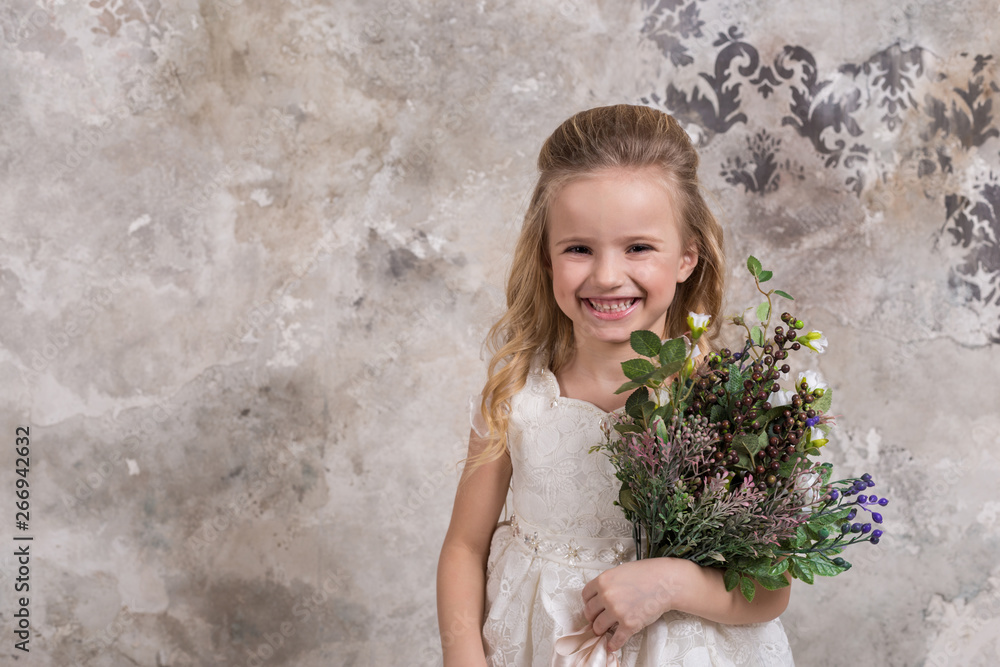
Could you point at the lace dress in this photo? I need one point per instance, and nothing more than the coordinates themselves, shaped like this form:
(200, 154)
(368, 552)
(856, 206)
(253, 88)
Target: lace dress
(564, 531)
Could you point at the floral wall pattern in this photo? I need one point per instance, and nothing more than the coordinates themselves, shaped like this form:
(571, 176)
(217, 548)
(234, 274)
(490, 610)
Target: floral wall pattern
(854, 117)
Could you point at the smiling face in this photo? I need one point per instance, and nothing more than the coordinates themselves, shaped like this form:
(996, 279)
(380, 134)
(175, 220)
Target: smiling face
(616, 252)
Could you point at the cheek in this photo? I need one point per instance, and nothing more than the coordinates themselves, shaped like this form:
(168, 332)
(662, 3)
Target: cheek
(657, 274)
(565, 276)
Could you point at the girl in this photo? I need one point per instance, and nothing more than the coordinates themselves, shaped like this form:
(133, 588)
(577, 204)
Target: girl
(616, 238)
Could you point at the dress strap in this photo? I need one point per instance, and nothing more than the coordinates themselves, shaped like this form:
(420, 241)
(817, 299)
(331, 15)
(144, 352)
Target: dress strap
(539, 362)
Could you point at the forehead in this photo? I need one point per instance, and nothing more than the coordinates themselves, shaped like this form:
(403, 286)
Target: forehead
(628, 201)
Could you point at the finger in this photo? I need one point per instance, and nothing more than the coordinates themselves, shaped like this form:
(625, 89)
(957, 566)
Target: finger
(593, 608)
(590, 590)
(604, 622)
(618, 639)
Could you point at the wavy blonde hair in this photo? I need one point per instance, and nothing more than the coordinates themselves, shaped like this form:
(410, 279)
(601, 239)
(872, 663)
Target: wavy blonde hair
(622, 136)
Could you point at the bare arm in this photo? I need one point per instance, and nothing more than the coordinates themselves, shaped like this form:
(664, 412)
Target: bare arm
(461, 575)
(635, 594)
(705, 595)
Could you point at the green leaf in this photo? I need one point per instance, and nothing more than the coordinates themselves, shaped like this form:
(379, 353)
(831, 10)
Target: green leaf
(734, 385)
(626, 500)
(628, 428)
(671, 368)
(826, 469)
(775, 412)
(661, 430)
(628, 386)
(645, 343)
(674, 350)
(635, 369)
(633, 404)
(763, 310)
(716, 413)
(747, 588)
(764, 276)
(664, 412)
(800, 572)
(825, 568)
(754, 265)
(757, 335)
(787, 466)
(824, 402)
(760, 567)
(731, 578)
(778, 568)
(784, 294)
(679, 551)
(748, 442)
(772, 583)
(827, 519)
(647, 411)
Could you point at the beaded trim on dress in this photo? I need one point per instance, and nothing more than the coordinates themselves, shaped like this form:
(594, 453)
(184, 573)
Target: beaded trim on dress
(577, 551)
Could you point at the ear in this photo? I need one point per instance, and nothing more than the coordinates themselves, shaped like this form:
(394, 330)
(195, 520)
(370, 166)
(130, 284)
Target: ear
(687, 263)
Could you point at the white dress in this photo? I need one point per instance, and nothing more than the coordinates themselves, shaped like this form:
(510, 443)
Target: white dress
(564, 531)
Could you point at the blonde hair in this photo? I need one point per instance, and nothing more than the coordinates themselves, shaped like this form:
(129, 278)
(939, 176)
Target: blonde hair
(625, 137)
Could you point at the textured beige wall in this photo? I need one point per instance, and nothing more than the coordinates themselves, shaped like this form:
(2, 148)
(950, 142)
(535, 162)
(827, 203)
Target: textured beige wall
(250, 249)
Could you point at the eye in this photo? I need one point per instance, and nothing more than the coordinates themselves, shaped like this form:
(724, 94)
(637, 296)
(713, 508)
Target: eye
(578, 249)
(640, 247)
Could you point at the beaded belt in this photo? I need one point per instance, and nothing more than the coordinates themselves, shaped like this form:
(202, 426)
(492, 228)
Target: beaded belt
(597, 553)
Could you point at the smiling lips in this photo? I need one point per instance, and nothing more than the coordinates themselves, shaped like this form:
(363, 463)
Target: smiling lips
(611, 309)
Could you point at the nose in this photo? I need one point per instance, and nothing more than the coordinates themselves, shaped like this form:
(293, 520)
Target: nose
(609, 271)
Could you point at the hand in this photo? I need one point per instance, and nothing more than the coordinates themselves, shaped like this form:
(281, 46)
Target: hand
(631, 596)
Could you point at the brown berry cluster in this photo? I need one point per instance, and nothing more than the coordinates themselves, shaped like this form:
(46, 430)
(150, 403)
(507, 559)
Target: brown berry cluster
(747, 411)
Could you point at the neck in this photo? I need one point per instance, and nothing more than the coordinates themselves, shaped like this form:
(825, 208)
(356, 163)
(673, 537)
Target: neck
(602, 364)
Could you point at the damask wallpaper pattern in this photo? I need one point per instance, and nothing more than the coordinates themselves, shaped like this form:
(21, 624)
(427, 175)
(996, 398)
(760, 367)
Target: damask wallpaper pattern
(903, 110)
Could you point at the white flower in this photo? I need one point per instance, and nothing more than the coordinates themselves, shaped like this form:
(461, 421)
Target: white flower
(699, 320)
(813, 380)
(662, 395)
(697, 323)
(814, 340)
(693, 353)
(809, 485)
(780, 397)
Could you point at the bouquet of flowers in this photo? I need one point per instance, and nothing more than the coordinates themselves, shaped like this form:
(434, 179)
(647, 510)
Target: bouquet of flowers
(717, 461)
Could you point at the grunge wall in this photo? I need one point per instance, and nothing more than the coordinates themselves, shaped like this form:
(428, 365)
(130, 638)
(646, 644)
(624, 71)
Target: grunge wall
(250, 250)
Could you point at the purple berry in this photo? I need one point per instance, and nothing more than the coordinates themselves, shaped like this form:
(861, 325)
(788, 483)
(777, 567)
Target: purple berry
(874, 540)
(867, 528)
(876, 517)
(876, 534)
(883, 501)
(862, 499)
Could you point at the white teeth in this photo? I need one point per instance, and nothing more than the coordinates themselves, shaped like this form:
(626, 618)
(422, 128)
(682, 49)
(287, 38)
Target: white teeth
(611, 306)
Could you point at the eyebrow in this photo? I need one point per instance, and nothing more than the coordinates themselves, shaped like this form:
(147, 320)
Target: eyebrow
(586, 239)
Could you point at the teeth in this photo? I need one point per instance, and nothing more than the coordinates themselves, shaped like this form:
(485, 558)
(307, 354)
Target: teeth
(611, 306)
